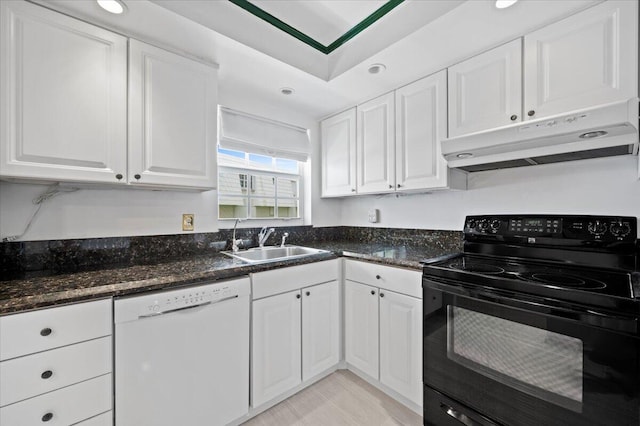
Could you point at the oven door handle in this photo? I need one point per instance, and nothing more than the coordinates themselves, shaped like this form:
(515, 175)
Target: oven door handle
(619, 323)
(463, 418)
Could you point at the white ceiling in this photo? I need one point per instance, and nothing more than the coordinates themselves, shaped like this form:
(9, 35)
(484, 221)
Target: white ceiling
(322, 20)
(248, 76)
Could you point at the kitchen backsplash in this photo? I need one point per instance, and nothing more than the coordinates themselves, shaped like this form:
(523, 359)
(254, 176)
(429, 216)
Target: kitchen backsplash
(95, 253)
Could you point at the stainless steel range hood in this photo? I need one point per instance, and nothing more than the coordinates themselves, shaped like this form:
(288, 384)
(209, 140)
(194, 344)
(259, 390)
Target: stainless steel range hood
(597, 132)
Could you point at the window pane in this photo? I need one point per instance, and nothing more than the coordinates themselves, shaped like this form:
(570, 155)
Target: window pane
(287, 166)
(263, 186)
(230, 183)
(262, 161)
(287, 188)
(287, 208)
(231, 152)
(263, 207)
(232, 207)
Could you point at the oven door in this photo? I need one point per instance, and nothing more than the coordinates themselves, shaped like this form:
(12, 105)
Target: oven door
(492, 357)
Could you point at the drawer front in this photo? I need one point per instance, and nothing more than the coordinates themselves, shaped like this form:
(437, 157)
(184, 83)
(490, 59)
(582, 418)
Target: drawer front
(292, 278)
(63, 407)
(32, 375)
(104, 419)
(405, 281)
(27, 333)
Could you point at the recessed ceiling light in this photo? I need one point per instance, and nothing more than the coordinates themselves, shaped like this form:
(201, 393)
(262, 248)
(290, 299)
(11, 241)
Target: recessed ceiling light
(287, 91)
(377, 68)
(112, 6)
(503, 4)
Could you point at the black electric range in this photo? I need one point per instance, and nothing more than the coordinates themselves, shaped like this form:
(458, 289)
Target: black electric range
(537, 322)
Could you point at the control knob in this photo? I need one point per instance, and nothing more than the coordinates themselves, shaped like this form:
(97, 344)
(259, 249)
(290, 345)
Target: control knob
(495, 224)
(597, 227)
(620, 229)
(483, 226)
(471, 223)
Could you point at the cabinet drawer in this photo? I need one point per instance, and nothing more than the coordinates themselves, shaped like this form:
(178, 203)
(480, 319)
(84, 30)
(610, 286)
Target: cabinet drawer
(23, 334)
(104, 419)
(32, 375)
(62, 407)
(400, 280)
(283, 280)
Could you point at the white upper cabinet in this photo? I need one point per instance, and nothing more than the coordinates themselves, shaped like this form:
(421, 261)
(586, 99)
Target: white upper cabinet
(421, 123)
(486, 91)
(62, 98)
(339, 154)
(585, 60)
(375, 147)
(172, 119)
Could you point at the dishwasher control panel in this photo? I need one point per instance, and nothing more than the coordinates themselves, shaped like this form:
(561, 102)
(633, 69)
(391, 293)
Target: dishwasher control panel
(157, 303)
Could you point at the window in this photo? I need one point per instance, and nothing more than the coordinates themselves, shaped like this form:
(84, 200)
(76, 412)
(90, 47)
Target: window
(256, 186)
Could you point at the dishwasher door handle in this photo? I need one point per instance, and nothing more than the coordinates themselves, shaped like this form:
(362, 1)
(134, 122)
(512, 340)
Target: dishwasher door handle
(199, 305)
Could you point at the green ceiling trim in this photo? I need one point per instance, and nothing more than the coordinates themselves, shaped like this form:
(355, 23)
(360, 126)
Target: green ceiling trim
(281, 25)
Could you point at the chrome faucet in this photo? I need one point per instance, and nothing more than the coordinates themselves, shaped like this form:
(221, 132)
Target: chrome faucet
(264, 234)
(284, 237)
(235, 243)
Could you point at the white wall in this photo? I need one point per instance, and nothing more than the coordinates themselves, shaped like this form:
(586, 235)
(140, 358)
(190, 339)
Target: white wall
(606, 186)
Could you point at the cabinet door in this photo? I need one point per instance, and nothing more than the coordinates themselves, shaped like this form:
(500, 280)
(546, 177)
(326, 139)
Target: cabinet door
(421, 123)
(339, 154)
(401, 344)
(361, 327)
(376, 145)
(588, 59)
(486, 91)
(63, 97)
(276, 347)
(320, 328)
(172, 119)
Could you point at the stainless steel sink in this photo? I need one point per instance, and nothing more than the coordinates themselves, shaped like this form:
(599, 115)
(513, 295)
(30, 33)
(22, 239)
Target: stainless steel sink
(273, 254)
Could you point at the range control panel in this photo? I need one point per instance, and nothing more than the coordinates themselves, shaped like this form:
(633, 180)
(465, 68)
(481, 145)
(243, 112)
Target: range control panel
(585, 228)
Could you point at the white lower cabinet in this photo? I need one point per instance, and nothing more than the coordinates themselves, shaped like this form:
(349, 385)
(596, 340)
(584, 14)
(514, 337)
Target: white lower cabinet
(383, 326)
(56, 364)
(401, 344)
(320, 328)
(295, 327)
(276, 349)
(361, 327)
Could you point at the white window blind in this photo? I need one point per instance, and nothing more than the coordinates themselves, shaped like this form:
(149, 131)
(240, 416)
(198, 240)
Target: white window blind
(245, 132)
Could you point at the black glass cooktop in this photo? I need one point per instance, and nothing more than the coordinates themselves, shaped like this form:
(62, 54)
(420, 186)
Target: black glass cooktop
(532, 273)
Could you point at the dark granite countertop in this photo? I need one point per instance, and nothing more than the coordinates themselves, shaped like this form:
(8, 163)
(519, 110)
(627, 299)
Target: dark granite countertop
(43, 290)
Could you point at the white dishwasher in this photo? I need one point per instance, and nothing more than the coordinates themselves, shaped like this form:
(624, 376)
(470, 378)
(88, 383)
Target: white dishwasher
(182, 356)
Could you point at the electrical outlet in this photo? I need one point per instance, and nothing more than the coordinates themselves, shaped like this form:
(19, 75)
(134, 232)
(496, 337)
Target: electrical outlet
(187, 221)
(373, 215)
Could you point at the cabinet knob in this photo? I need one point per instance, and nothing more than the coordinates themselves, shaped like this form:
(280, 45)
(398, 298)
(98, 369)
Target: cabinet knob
(119, 176)
(137, 177)
(390, 186)
(399, 186)
(373, 292)
(531, 113)
(46, 374)
(514, 117)
(353, 190)
(45, 331)
(47, 417)
(298, 296)
(378, 277)
(381, 294)
(308, 293)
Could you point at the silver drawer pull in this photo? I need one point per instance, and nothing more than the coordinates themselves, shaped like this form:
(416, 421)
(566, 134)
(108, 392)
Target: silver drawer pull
(155, 314)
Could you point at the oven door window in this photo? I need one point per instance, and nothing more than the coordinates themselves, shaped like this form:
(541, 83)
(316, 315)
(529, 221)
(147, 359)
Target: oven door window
(542, 363)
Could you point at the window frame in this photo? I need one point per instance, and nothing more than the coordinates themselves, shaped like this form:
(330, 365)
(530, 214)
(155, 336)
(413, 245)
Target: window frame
(257, 171)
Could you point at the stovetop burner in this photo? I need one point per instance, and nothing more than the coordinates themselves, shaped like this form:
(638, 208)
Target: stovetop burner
(479, 268)
(565, 280)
